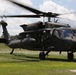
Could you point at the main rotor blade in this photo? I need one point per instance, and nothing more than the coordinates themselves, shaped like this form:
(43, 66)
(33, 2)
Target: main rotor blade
(28, 16)
(66, 19)
(38, 12)
(26, 7)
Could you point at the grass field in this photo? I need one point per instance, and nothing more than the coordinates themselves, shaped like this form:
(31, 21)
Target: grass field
(24, 62)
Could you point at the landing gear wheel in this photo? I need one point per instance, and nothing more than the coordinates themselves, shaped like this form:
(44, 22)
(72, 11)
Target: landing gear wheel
(70, 56)
(42, 55)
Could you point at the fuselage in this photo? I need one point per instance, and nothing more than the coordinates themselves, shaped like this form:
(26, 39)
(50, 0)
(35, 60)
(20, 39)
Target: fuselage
(59, 39)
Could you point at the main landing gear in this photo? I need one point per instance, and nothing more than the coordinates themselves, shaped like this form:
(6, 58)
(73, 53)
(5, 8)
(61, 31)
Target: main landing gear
(70, 56)
(43, 54)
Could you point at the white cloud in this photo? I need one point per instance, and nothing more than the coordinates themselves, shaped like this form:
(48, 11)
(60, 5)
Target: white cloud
(7, 8)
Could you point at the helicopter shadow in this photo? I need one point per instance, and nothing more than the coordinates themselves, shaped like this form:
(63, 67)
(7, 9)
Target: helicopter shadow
(27, 58)
(60, 59)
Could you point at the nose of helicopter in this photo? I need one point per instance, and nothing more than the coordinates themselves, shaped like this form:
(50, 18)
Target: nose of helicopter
(70, 43)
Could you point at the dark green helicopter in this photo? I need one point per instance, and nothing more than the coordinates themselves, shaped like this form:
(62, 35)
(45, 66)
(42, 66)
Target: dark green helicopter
(41, 36)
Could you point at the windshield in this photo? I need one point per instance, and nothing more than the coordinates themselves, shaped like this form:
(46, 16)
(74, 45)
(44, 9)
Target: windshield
(67, 33)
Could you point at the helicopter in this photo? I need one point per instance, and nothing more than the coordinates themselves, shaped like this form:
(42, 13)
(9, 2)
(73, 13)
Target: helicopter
(41, 36)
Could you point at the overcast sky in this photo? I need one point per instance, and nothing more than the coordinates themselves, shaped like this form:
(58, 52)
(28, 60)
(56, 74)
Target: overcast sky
(56, 6)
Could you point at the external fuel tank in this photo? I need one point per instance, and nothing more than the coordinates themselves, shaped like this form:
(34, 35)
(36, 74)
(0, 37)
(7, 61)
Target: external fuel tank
(24, 43)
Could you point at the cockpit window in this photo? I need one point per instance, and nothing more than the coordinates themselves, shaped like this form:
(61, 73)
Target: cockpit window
(67, 33)
(58, 33)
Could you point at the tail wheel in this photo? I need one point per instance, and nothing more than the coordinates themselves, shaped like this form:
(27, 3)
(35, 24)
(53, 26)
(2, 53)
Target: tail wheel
(70, 56)
(42, 55)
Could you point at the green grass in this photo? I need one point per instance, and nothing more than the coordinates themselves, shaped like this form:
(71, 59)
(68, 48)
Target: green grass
(27, 63)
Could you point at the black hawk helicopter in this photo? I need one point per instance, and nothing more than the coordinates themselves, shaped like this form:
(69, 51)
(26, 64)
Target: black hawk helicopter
(41, 36)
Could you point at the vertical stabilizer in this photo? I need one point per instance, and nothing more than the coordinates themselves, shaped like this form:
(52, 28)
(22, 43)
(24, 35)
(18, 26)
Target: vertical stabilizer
(5, 32)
